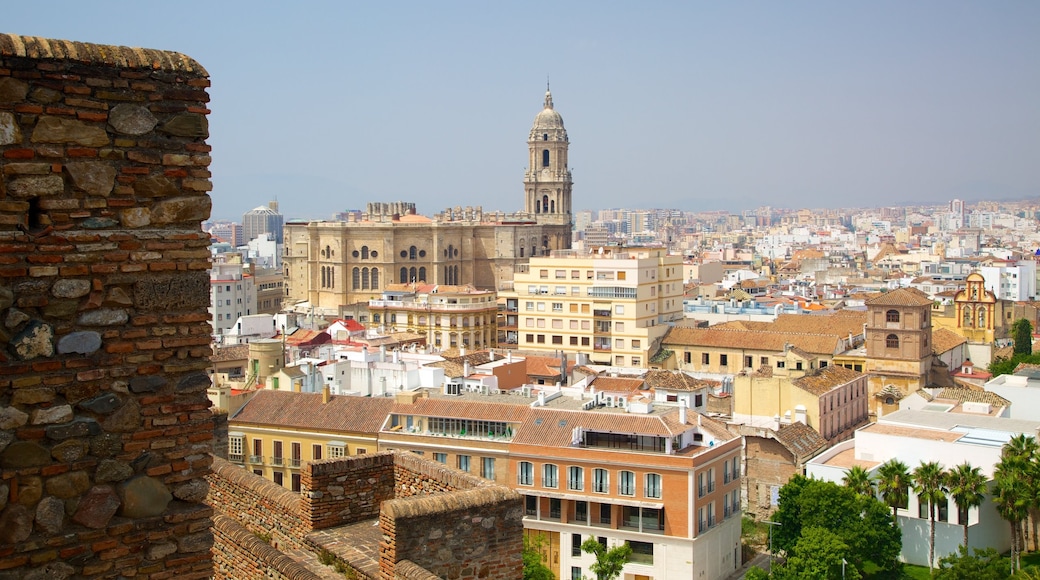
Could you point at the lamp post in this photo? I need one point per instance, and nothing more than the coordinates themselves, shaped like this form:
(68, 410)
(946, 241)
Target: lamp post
(771, 524)
(843, 563)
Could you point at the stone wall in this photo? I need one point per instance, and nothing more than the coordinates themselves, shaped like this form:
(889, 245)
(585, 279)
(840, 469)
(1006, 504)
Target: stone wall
(104, 338)
(260, 505)
(239, 554)
(346, 490)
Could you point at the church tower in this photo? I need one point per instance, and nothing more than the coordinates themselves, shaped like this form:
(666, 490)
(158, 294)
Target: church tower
(547, 183)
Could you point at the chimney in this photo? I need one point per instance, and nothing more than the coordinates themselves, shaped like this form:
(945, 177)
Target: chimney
(382, 353)
(396, 356)
(682, 411)
(462, 351)
(509, 356)
(465, 368)
(326, 394)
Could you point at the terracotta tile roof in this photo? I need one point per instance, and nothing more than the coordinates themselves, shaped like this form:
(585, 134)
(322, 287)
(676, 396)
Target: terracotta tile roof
(973, 396)
(462, 409)
(306, 411)
(751, 340)
(545, 366)
(675, 381)
(826, 379)
(901, 297)
(230, 353)
(555, 428)
(308, 338)
(455, 366)
(945, 340)
(605, 384)
(801, 440)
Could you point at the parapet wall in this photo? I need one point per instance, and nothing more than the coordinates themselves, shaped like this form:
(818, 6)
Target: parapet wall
(104, 337)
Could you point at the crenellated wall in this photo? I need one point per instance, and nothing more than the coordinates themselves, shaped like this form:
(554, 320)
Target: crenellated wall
(104, 338)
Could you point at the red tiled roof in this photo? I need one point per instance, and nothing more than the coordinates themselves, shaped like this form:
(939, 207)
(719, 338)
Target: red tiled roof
(306, 411)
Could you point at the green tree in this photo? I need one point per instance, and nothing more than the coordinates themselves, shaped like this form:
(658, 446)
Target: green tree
(1025, 447)
(1022, 332)
(967, 487)
(1014, 487)
(984, 564)
(929, 483)
(894, 484)
(756, 573)
(534, 567)
(818, 554)
(859, 480)
(1006, 366)
(608, 563)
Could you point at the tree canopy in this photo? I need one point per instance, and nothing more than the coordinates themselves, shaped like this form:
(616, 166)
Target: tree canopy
(608, 563)
(1022, 333)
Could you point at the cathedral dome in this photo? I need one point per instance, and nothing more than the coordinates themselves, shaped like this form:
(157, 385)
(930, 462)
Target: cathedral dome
(548, 118)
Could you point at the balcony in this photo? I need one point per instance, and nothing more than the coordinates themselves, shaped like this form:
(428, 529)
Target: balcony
(256, 459)
(294, 463)
(276, 461)
(601, 313)
(236, 457)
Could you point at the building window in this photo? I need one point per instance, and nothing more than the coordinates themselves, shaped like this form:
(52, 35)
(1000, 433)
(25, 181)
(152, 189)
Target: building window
(604, 515)
(463, 463)
(581, 511)
(550, 476)
(576, 549)
(236, 442)
(642, 552)
(576, 478)
(705, 358)
(276, 458)
(487, 467)
(653, 486)
(530, 505)
(337, 449)
(555, 506)
(315, 452)
(296, 482)
(891, 341)
(440, 457)
(525, 473)
(277, 476)
(600, 481)
(892, 316)
(626, 483)
(724, 360)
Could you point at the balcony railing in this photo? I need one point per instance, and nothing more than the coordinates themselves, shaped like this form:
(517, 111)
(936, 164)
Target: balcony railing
(236, 457)
(276, 461)
(257, 459)
(294, 463)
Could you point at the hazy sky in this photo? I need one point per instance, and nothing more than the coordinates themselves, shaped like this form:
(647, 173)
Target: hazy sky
(694, 105)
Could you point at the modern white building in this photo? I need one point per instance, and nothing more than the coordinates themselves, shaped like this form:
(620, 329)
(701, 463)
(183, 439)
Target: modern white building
(263, 219)
(1014, 282)
(950, 432)
(232, 294)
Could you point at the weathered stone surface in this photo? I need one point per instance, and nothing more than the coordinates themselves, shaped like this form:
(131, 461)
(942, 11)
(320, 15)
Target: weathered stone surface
(194, 382)
(93, 177)
(15, 524)
(104, 317)
(69, 451)
(50, 515)
(187, 125)
(69, 484)
(101, 404)
(61, 308)
(98, 223)
(35, 340)
(155, 186)
(111, 470)
(125, 419)
(71, 288)
(45, 95)
(9, 130)
(118, 296)
(146, 460)
(82, 342)
(106, 444)
(12, 418)
(32, 396)
(36, 186)
(6, 297)
(188, 290)
(131, 119)
(62, 130)
(195, 542)
(181, 209)
(30, 490)
(81, 427)
(15, 317)
(147, 384)
(135, 217)
(5, 493)
(194, 491)
(97, 507)
(6, 438)
(51, 571)
(13, 90)
(52, 415)
(160, 551)
(24, 454)
(144, 497)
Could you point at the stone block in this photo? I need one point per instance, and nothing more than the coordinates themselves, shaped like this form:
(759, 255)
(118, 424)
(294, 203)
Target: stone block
(144, 497)
(97, 507)
(131, 119)
(81, 342)
(93, 177)
(69, 131)
(21, 454)
(165, 292)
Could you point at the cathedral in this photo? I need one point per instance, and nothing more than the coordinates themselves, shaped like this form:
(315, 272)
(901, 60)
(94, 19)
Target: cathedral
(332, 264)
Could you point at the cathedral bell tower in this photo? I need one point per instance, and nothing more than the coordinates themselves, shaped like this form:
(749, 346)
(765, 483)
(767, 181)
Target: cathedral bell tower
(547, 183)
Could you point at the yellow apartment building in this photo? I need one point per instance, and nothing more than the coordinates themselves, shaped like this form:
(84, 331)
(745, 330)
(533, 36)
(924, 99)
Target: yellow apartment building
(612, 303)
(448, 316)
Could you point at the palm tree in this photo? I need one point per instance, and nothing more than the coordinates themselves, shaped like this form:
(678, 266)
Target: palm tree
(859, 480)
(929, 483)
(1011, 495)
(967, 486)
(1025, 447)
(893, 483)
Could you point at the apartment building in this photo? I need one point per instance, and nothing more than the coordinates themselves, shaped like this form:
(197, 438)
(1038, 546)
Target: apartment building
(448, 316)
(612, 304)
(232, 295)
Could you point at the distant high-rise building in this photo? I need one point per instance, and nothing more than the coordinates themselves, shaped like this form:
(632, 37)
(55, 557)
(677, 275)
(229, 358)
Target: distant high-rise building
(263, 219)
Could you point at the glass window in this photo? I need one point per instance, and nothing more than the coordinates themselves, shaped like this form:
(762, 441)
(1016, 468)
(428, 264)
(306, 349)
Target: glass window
(235, 446)
(440, 457)
(626, 483)
(642, 552)
(576, 546)
(487, 467)
(525, 473)
(600, 481)
(575, 478)
(550, 476)
(653, 485)
(463, 462)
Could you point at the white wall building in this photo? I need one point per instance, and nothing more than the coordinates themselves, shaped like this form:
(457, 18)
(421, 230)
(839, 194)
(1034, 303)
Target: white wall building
(232, 294)
(1011, 282)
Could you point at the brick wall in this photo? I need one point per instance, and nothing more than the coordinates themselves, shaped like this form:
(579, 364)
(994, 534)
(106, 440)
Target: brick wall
(769, 464)
(346, 490)
(104, 344)
(260, 505)
(239, 554)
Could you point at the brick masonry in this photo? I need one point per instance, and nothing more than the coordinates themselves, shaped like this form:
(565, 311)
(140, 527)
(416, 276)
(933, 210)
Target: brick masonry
(473, 526)
(104, 337)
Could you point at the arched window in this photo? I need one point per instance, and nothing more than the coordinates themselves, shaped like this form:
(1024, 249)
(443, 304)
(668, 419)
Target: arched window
(552, 206)
(356, 279)
(521, 251)
(891, 341)
(422, 273)
(456, 275)
(545, 204)
(545, 158)
(332, 277)
(375, 278)
(982, 317)
(967, 317)
(411, 253)
(892, 316)
(404, 276)
(323, 276)
(411, 274)
(545, 136)
(364, 278)
(364, 252)
(890, 400)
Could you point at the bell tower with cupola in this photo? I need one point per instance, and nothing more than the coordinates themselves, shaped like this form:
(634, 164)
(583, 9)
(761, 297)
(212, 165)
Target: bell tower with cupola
(547, 183)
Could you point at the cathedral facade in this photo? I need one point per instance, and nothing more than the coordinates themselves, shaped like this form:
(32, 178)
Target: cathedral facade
(331, 264)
